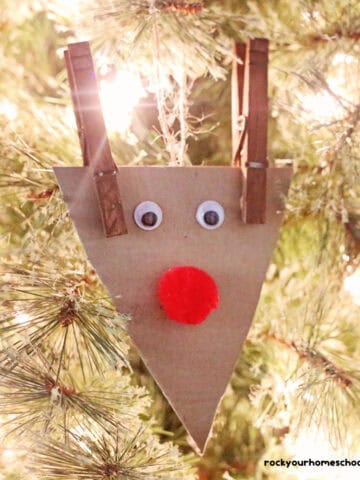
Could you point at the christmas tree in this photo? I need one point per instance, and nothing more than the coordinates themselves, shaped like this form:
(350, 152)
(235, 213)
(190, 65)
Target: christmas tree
(76, 401)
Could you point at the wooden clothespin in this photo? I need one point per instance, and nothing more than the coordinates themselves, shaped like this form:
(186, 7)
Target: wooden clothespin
(249, 124)
(93, 138)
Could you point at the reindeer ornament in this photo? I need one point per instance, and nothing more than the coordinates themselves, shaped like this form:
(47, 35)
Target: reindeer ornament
(183, 250)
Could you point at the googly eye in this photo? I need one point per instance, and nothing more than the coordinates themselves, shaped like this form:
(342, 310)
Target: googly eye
(148, 215)
(210, 215)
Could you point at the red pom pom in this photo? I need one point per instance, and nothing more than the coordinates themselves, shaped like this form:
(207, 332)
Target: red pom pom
(188, 294)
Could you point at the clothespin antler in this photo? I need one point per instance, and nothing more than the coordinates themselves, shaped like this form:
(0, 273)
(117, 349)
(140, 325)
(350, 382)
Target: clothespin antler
(94, 142)
(249, 124)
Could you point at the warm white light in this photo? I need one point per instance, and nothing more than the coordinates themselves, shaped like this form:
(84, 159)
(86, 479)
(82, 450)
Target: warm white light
(313, 443)
(118, 98)
(69, 117)
(327, 106)
(311, 16)
(8, 110)
(352, 286)
(8, 455)
(310, 443)
(22, 317)
(321, 106)
(343, 58)
(308, 397)
(71, 7)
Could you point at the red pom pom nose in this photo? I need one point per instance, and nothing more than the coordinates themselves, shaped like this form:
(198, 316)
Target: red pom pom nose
(188, 294)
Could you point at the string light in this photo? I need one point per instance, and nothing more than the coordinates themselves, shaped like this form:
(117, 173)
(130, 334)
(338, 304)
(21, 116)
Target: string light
(313, 444)
(343, 58)
(8, 110)
(352, 286)
(327, 106)
(323, 106)
(22, 317)
(311, 16)
(308, 397)
(69, 117)
(8, 455)
(119, 98)
(70, 6)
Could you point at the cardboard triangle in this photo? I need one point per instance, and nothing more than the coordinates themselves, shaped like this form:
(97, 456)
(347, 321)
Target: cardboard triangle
(191, 363)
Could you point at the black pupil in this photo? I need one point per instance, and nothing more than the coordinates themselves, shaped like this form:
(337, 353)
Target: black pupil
(211, 218)
(149, 219)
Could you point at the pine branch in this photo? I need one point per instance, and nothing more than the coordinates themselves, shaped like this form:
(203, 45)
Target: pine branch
(104, 457)
(315, 40)
(37, 398)
(159, 31)
(316, 360)
(66, 316)
(313, 380)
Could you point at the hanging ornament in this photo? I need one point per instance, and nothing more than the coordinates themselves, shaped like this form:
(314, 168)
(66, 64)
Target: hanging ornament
(183, 250)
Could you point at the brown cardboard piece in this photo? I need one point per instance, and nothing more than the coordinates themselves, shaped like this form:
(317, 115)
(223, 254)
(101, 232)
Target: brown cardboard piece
(191, 363)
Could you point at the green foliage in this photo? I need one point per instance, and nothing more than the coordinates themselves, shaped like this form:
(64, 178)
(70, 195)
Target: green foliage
(89, 455)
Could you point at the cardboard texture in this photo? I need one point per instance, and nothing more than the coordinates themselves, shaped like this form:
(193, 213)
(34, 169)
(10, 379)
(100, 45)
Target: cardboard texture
(191, 364)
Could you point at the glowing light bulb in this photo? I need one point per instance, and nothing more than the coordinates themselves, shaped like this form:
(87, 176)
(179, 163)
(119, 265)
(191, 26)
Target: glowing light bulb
(8, 110)
(343, 58)
(118, 98)
(311, 16)
(352, 286)
(310, 443)
(322, 106)
(313, 444)
(8, 455)
(72, 7)
(69, 117)
(22, 317)
(308, 397)
(327, 106)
